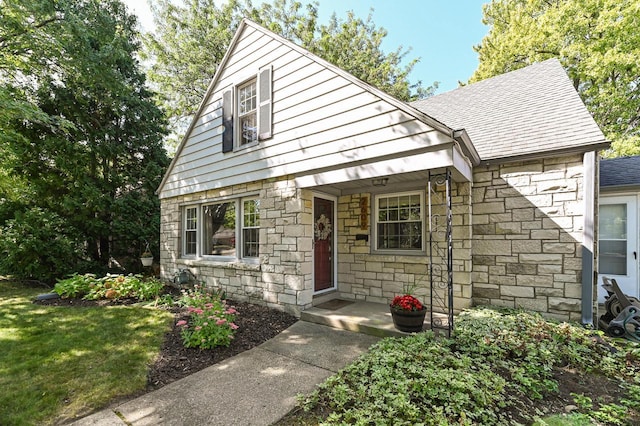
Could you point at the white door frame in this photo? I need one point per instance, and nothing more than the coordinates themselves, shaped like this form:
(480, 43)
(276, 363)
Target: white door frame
(629, 283)
(334, 242)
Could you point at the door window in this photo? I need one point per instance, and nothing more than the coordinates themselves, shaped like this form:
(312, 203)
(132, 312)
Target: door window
(613, 239)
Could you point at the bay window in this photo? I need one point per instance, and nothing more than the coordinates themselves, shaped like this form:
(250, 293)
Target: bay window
(221, 232)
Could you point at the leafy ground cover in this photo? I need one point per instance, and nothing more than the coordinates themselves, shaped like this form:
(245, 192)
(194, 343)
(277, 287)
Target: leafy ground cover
(500, 367)
(111, 286)
(57, 362)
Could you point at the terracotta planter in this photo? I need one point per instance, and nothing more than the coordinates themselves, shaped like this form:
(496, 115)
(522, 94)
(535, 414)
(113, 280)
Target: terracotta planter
(408, 321)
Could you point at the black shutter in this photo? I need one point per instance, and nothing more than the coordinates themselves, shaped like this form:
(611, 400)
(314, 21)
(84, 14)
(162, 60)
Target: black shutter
(227, 121)
(264, 101)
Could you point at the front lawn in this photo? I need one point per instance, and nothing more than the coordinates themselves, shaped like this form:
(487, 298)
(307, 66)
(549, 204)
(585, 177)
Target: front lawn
(56, 363)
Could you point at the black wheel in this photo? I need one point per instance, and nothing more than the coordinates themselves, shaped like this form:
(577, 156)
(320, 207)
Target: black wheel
(616, 331)
(613, 305)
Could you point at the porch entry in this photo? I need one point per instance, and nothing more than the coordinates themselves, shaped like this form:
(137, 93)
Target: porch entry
(323, 244)
(618, 244)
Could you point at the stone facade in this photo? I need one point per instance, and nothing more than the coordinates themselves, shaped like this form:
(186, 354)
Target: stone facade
(527, 235)
(281, 276)
(365, 275)
(517, 235)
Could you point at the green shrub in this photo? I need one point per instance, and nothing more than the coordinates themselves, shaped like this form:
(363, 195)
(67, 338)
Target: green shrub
(38, 245)
(111, 286)
(149, 289)
(209, 326)
(75, 286)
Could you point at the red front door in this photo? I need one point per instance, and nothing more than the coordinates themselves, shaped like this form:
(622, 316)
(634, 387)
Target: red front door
(323, 227)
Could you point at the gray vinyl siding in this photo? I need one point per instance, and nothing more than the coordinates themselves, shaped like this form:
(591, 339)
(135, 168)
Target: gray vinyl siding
(320, 119)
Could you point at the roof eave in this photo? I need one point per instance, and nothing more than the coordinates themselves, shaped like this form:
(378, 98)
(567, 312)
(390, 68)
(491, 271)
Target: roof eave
(631, 187)
(462, 137)
(596, 146)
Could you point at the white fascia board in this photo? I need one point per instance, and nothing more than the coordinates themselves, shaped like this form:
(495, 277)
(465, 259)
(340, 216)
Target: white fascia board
(462, 164)
(389, 167)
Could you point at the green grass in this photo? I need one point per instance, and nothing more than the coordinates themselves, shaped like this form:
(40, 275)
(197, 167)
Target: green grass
(58, 362)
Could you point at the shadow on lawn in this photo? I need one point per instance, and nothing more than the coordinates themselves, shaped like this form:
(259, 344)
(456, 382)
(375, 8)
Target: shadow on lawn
(59, 362)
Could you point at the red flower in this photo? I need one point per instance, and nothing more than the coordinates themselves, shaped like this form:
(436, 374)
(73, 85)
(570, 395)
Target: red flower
(406, 303)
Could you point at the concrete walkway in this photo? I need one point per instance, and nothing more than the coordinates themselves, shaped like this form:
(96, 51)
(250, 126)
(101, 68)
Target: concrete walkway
(256, 387)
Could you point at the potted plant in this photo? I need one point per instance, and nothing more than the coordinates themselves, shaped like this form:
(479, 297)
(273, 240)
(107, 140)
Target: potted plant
(408, 313)
(146, 257)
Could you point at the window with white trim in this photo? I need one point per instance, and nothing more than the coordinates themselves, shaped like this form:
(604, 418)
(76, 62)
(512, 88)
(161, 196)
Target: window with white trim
(219, 229)
(190, 231)
(215, 229)
(247, 113)
(399, 221)
(247, 108)
(250, 228)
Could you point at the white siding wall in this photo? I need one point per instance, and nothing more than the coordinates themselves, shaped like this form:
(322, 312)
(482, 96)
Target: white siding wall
(320, 119)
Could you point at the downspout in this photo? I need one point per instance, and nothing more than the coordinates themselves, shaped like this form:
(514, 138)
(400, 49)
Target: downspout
(588, 255)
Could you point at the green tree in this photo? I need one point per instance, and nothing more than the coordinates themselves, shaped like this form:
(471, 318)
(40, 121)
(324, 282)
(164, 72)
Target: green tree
(597, 42)
(191, 39)
(81, 134)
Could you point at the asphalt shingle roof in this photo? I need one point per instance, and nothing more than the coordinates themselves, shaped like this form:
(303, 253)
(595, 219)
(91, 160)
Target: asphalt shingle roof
(620, 171)
(529, 111)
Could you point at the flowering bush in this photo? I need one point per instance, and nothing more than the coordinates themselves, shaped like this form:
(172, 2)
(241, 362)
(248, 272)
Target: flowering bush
(209, 326)
(406, 303)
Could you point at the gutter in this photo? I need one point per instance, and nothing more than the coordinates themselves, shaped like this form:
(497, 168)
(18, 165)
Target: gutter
(581, 149)
(589, 275)
(461, 136)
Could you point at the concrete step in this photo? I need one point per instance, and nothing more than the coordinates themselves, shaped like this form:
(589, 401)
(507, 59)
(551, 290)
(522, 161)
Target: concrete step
(362, 317)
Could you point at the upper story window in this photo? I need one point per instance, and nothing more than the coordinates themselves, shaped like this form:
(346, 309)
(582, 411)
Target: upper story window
(399, 221)
(247, 113)
(247, 108)
(226, 230)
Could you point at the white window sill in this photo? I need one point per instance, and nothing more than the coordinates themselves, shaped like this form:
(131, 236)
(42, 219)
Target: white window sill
(239, 148)
(249, 264)
(399, 252)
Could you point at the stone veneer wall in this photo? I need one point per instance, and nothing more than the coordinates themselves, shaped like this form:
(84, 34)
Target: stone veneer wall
(527, 235)
(372, 277)
(524, 245)
(282, 276)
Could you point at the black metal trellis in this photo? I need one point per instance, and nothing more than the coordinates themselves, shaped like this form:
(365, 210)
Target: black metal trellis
(441, 252)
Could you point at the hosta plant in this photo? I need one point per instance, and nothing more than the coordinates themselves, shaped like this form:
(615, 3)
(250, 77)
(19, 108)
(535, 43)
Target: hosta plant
(111, 286)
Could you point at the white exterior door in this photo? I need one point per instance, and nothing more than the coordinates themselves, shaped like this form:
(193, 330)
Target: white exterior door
(618, 243)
